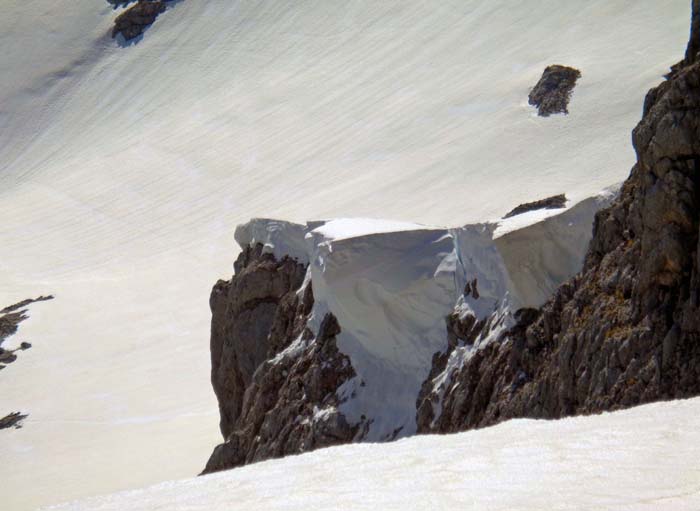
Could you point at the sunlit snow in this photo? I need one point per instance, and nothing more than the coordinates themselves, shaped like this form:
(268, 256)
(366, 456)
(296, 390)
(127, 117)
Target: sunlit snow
(635, 460)
(124, 171)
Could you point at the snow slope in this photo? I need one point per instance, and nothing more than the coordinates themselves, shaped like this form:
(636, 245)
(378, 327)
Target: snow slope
(123, 171)
(639, 459)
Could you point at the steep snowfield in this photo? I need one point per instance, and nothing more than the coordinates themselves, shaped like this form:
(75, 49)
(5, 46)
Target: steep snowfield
(634, 460)
(123, 171)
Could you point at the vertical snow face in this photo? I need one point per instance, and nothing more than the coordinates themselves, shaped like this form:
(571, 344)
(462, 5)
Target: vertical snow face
(390, 292)
(391, 285)
(542, 255)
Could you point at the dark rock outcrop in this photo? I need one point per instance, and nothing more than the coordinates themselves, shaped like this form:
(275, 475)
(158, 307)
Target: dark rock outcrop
(244, 314)
(626, 329)
(134, 20)
(276, 381)
(554, 202)
(12, 420)
(552, 92)
(10, 318)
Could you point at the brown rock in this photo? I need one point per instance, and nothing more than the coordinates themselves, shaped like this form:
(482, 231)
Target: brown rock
(133, 21)
(552, 92)
(275, 398)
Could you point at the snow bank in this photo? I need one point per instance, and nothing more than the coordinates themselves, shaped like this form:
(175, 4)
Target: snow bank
(643, 459)
(391, 285)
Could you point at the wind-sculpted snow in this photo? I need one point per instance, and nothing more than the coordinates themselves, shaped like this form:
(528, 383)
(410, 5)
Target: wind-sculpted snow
(391, 285)
(644, 459)
(390, 293)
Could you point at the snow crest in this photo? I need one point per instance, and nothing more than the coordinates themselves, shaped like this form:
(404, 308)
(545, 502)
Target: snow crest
(391, 285)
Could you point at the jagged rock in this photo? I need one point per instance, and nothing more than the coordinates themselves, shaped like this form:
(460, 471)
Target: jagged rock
(244, 312)
(277, 383)
(554, 202)
(10, 318)
(13, 419)
(552, 92)
(626, 329)
(133, 21)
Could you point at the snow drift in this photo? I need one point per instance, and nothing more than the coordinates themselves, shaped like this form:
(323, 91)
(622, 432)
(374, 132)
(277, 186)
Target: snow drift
(391, 285)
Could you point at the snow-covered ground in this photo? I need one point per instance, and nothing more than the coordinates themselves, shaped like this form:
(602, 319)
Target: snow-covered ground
(124, 170)
(640, 459)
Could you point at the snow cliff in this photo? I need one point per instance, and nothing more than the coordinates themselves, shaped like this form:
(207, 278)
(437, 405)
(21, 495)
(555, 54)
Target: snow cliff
(390, 286)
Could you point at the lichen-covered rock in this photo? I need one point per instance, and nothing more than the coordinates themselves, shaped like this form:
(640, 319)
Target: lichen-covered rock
(276, 381)
(134, 20)
(552, 92)
(626, 329)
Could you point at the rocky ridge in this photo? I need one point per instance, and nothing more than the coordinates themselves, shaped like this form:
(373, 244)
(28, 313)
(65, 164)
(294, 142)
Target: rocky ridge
(276, 381)
(626, 329)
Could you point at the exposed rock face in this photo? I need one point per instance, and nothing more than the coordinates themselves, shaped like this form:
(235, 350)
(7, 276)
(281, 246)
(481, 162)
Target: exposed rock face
(10, 318)
(552, 92)
(244, 314)
(626, 329)
(554, 202)
(276, 381)
(132, 22)
(12, 420)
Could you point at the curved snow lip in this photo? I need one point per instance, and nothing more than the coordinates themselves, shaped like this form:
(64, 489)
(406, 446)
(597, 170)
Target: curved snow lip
(391, 284)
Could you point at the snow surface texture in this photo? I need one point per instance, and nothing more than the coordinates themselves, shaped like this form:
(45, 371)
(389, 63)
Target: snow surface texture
(391, 285)
(124, 169)
(635, 460)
